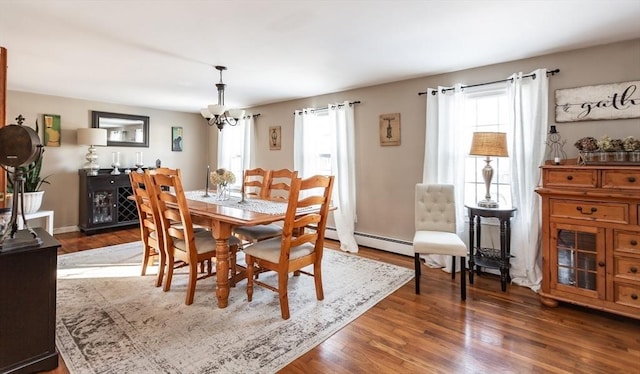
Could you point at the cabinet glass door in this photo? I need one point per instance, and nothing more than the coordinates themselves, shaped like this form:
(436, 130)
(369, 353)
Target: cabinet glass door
(103, 207)
(579, 259)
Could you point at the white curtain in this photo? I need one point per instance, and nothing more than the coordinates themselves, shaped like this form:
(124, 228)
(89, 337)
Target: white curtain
(236, 147)
(340, 119)
(445, 150)
(249, 156)
(444, 155)
(528, 99)
(303, 123)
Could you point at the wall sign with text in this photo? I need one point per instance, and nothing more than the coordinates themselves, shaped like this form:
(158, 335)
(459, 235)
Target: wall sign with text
(606, 101)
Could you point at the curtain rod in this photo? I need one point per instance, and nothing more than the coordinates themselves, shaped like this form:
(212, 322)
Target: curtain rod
(327, 107)
(532, 75)
(252, 115)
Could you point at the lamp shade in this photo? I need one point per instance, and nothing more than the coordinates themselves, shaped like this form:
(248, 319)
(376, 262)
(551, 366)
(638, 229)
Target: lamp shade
(206, 113)
(217, 109)
(236, 113)
(489, 144)
(92, 136)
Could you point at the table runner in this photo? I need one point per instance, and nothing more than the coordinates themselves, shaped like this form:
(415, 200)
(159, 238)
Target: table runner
(254, 205)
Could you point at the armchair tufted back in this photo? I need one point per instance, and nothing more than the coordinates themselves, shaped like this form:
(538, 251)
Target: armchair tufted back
(435, 208)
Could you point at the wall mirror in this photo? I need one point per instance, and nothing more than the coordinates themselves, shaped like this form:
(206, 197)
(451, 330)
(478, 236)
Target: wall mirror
(123, 130)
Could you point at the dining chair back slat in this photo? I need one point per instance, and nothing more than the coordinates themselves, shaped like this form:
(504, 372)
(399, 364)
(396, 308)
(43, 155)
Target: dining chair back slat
(279, 185)
(256, 183)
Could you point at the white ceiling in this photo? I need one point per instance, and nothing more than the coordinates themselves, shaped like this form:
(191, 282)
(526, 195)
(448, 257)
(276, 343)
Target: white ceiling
(159, 54)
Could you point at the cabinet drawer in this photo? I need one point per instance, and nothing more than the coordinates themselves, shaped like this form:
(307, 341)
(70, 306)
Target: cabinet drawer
(626, 179)
(627, 267)
(627, 241)
(570, 178)
(590, 210)
(107, 181)
(627, 294)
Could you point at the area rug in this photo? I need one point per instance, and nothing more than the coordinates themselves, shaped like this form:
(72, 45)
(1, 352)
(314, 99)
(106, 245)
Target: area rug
(112, 320)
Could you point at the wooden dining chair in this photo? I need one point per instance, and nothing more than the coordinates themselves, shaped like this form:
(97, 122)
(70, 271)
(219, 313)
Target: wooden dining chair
(150, 229)
(301, 243)
(279, 183)
(181, 241)
(256, 183)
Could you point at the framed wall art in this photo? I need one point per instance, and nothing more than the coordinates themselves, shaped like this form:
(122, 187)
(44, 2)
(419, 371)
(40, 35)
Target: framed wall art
(602, 102)
(176, 139)
(51, 130)
(390, 129)
(274, 137)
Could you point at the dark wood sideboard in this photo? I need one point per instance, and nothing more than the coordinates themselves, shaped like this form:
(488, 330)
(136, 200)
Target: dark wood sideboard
(28, 306)
(104, 201)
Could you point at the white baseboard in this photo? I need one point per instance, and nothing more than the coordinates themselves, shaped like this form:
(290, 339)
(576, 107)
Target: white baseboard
(398, 246)
(65, 229)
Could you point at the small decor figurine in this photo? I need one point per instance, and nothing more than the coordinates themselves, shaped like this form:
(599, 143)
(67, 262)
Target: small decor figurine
(115, 156)
(556, 144)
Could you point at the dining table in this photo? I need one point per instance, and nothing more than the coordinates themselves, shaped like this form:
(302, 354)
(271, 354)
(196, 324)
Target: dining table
(221, 216)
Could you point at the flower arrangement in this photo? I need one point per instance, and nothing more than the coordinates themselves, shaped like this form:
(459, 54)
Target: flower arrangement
(606, 144)
(631, 144)
(587, 144)
(222, 177)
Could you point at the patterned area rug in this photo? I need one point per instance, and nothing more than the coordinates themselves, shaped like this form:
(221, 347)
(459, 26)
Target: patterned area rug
(112, 320)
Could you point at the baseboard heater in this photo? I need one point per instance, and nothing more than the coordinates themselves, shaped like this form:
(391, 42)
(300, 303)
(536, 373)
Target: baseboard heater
(402, 247)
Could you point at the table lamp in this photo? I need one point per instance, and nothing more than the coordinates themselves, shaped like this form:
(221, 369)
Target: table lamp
(92, 137)
(488, 144)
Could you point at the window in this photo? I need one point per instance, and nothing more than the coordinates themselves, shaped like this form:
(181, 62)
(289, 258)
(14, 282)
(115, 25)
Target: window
(486, 110)
(319, 139)
(231, 154)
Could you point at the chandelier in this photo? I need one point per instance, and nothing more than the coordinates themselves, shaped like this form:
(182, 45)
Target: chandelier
(218, 114)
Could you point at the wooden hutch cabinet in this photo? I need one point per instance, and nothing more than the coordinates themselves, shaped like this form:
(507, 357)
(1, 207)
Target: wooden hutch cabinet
(104, 201)
(591, 237)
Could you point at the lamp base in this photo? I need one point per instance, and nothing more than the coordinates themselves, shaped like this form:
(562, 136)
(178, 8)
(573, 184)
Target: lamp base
(91, 166)
(488, 204)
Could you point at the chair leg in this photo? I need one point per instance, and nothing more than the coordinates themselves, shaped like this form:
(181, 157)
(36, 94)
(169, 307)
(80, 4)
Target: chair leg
(283, 279)
(233, 252)
(146, 258)
(191, 287)
(249, 261)
(317, 276)
(170, 266)
(417, 271)
(463, 276)
(162, 263)
(453, 267)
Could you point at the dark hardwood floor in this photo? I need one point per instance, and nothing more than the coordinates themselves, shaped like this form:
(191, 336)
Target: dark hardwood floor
(434, 332)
